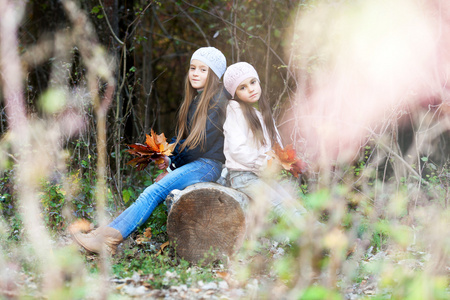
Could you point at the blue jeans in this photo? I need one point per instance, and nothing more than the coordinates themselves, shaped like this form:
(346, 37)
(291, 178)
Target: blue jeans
(200, 170)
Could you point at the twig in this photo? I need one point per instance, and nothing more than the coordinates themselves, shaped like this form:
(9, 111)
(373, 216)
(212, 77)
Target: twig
(193, 21)
(12, 157)
(170, 37)
(109, 25)
(142, 12)
(269, 28)
(236, 43)
(399, 158)
(242, 30)
(120, 88)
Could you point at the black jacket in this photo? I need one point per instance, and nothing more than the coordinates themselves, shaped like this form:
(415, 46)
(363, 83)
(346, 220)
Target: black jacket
(213, 145)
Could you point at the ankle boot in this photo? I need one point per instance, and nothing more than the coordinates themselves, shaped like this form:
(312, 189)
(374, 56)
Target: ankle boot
(93, 241)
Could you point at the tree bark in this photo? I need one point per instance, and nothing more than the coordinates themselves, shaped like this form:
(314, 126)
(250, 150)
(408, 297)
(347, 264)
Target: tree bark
(206, 222)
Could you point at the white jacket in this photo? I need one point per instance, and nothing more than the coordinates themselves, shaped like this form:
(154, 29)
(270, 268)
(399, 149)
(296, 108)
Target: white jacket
(241, 150)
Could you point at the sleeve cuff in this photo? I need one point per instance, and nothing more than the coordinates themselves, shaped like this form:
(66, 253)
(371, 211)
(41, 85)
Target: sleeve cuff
(171, 167)
(168, 169)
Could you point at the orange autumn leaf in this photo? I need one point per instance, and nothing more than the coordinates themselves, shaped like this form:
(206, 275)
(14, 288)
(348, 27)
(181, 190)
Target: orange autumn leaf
(298, 168)
(148, 232)
(287, 156)
(288, 159)
(163, 246)
(144, 238)
(141, 240)
(150, 141)
(154, 149)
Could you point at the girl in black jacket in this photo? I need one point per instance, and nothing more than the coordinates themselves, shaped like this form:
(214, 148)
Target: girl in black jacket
(198, 155)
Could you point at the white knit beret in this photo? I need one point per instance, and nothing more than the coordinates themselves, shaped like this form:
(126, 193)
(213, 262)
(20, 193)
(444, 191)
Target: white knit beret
(213, 58)
(235, 74)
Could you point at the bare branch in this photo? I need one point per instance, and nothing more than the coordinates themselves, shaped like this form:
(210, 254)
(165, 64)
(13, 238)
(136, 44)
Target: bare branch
(387, 148)
(193, 21)
(109, 25)
(244, 31)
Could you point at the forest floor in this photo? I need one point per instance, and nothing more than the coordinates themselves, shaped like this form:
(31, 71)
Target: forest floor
(223, 283)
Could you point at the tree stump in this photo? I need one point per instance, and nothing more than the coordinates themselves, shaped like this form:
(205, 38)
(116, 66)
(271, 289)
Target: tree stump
(206, 221)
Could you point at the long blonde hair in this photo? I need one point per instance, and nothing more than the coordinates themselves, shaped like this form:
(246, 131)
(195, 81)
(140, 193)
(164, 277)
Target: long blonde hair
(196, 135)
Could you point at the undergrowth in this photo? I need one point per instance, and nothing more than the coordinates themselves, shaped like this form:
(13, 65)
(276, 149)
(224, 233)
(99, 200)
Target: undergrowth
(361, 225)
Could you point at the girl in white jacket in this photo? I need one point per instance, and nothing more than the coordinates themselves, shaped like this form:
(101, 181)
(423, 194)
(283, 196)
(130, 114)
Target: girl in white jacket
(249, 134)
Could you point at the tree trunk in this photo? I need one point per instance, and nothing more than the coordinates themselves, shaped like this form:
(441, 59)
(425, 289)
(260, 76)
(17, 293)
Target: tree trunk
(206, 221)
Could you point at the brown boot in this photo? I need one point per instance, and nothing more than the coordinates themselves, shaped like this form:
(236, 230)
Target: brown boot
(93, 241)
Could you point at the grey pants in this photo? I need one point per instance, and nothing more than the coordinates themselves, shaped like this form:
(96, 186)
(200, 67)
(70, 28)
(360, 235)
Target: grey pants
(265, 194)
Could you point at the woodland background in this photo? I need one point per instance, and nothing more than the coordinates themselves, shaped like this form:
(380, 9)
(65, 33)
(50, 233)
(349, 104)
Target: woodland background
(360, 90)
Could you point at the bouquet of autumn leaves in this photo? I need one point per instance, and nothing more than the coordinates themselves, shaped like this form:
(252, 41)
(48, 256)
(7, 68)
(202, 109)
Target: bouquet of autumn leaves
(287, 158)
(154, 149)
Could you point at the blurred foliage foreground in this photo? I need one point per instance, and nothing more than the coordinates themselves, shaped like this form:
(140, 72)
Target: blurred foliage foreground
(384, 234)
(377, 240)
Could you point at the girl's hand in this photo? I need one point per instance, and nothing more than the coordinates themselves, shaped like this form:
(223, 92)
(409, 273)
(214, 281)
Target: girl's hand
(165, 164)
(272, 166)
(161, 176)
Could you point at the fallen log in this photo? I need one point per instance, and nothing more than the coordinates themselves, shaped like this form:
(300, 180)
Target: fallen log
(206, 221)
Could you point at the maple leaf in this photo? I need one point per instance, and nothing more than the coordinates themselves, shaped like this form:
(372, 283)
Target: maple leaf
(288, 159)
(154, 149)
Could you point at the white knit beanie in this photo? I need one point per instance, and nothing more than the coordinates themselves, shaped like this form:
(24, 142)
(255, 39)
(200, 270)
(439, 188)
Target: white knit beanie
(235, 74)
(213, 58)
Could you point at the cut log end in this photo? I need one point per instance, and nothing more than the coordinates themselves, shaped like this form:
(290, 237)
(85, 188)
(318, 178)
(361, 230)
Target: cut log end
(205, 224)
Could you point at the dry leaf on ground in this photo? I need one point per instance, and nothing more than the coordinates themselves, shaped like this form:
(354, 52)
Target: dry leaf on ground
(162, 248)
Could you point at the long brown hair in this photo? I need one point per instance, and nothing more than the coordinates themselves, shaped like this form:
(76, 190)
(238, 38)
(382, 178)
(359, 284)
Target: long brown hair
(253, 121)
(195, 135)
